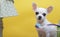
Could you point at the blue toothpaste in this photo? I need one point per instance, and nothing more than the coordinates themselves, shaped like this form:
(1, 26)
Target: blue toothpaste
(38, 25)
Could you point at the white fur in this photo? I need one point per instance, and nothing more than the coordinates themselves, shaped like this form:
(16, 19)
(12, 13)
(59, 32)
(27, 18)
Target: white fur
(41, 10)
(48, 29)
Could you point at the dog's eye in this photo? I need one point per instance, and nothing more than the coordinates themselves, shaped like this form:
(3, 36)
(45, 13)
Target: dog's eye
(37, 13)
(44, 14)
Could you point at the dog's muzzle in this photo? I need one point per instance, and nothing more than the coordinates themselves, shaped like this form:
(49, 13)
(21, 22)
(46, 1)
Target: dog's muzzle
(39, 18)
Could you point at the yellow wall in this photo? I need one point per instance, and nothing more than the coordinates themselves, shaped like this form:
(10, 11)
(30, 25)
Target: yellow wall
(23, 24)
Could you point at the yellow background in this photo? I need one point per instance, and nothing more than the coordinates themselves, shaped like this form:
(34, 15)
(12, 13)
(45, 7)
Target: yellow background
(23, 24)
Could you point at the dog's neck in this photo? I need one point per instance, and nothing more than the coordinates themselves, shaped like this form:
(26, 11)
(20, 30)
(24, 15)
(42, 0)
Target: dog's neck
(45, 22)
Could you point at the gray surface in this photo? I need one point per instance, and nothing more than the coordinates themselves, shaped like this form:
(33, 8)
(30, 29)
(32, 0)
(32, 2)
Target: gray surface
(1, 31)
(1, 27)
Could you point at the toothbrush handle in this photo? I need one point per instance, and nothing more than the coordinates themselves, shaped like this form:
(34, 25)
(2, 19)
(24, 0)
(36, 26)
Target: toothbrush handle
(54, 25)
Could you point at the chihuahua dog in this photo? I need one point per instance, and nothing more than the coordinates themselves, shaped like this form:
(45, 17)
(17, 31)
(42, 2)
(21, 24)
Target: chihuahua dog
(42, 26)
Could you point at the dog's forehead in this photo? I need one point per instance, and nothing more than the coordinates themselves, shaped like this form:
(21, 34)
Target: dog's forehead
(41, 10)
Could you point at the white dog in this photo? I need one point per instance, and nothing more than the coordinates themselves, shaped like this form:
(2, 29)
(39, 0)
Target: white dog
(43, 23)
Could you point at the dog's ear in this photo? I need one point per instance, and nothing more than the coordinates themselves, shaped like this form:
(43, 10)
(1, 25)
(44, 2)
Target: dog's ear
(49, 9)
(34, 6)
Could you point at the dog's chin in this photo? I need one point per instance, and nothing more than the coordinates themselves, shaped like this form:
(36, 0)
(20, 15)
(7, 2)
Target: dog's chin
(40, 21)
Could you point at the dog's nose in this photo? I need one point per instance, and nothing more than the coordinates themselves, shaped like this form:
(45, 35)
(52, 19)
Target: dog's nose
(39, 18)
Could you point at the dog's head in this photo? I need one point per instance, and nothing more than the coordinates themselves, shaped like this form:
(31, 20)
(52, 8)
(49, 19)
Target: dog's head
(41, 12)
